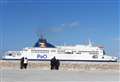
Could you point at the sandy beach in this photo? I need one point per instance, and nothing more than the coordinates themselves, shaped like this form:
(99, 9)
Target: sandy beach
(39, 71)
(65, 65)
(35, 75)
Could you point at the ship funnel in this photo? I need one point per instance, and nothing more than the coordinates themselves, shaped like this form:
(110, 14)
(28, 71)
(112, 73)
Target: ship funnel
(42, 43)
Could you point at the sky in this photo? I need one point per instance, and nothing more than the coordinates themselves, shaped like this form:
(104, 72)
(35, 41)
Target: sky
(61, 22)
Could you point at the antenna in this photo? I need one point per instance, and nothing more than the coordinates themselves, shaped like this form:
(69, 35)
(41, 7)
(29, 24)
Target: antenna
(90, 43)
(64, 44)
(39, 32)
(41, 36)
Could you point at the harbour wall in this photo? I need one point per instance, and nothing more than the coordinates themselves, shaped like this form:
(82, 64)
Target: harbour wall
(64, 65)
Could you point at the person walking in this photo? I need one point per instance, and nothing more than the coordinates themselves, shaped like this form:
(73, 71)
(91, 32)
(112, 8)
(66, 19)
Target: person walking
(54, 63)
(25, 62)
(22, 63)
(57, 65)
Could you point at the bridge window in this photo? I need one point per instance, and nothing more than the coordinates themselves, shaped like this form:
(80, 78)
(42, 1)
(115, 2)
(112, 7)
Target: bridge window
(61, 51)
(40, 51)
(53, 50)
(68, 52)
(79, 52)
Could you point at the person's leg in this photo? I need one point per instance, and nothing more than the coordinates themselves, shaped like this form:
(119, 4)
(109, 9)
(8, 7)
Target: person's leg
(56, 67)
(52, 67)
(25, 65)
(21, 66)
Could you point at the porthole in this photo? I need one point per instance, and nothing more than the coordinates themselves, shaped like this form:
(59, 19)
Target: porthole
(94, 56)
(102, 57)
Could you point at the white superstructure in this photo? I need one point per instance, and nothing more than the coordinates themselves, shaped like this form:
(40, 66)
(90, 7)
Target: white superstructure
(45, 51)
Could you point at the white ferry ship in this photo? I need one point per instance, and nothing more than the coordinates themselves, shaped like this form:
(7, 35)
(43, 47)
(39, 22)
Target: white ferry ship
(44, 51)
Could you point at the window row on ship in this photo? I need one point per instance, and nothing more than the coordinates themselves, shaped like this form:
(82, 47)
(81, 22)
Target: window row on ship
(64, 51)
(78, 52)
